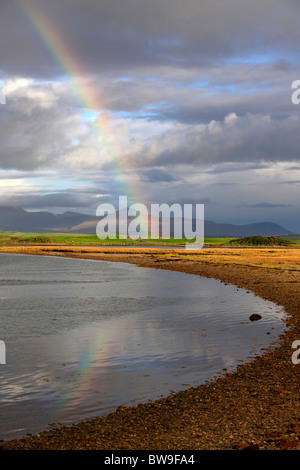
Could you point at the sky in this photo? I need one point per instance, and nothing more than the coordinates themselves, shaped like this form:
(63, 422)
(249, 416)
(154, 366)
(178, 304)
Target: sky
(164, 101)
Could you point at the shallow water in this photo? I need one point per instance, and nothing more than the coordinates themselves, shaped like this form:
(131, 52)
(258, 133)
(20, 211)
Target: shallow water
(83, 337)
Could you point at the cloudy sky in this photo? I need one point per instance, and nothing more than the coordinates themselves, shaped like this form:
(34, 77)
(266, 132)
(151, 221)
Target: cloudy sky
(162, 100)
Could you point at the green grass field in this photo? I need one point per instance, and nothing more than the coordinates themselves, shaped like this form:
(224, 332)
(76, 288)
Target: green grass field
(295, 237)
(75, 239)
(260, 241)
(17, 238)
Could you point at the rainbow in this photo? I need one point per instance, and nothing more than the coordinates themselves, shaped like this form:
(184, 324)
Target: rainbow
(62, 55)
(91, 360)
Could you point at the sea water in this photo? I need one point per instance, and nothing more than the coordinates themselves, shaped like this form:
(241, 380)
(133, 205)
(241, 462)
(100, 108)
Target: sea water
(83, 337)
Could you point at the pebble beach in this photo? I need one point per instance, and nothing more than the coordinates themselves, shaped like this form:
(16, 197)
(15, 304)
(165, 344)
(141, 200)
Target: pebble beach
(255, 407)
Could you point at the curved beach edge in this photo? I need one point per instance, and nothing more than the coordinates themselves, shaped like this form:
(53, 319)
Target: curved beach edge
(255, 407)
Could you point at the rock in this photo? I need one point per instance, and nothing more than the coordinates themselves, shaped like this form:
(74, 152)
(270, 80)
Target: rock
(121, 408)
(251, 447)
(255, 317)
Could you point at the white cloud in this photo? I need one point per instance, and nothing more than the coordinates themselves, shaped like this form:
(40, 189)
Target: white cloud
(192, 95)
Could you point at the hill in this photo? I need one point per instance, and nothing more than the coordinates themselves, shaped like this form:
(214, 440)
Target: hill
(212, 230)
(18, 219)
(260, 241)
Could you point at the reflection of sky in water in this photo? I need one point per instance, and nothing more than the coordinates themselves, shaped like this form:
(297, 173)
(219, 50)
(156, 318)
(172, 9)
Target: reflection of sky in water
(83, 337)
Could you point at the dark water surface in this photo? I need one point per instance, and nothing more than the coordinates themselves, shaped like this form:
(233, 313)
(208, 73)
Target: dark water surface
(83, 337)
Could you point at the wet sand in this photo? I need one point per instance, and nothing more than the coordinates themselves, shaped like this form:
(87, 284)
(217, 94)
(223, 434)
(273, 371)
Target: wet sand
(256, 407)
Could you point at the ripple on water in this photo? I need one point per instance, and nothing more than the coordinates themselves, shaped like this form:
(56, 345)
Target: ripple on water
(84, 337)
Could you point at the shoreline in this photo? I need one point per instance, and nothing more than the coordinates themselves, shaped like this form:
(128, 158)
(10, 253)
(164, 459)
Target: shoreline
(257, 406)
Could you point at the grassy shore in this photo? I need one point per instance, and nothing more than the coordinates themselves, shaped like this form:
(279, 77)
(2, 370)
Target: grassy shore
(256, 407)
(75, 239)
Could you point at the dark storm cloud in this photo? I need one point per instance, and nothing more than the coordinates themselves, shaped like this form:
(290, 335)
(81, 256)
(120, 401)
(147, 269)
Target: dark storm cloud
(267, 205)
(75, 197)
(62, 199)
(36, 127)
(240, 139)
(290, 182)
(33, 143)
(157, 175)
(122, 34)
(235, 167)
(192, 99)
(198, 95)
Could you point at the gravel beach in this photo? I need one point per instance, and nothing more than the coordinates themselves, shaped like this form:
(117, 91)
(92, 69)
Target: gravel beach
(256, 407)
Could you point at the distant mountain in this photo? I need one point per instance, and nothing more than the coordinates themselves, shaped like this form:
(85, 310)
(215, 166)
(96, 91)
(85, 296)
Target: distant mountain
(13, 218)
(214, 230)
(18, 219)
